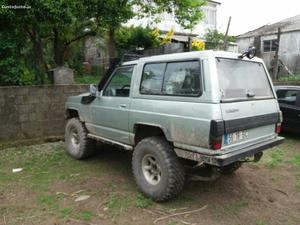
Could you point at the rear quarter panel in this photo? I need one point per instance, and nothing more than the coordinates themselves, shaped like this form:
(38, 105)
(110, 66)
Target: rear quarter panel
(186, 120)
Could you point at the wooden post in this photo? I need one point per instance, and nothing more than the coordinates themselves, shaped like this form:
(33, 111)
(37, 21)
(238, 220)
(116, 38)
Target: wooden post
(190, 43)
(276, 57)
(226, 35)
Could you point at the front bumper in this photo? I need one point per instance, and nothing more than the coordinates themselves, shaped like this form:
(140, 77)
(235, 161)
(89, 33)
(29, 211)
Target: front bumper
(228, 158)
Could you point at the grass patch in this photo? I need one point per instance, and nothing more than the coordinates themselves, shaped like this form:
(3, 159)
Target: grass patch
(86, 215)
(276, 158)
(296, 160)
(48, 202)
(65, 212)
(142, 202)
(235, 207)
(297, 185)
(260, 222)
(118, 204)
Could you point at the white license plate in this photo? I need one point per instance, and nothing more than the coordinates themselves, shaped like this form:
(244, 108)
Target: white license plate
(235, 137)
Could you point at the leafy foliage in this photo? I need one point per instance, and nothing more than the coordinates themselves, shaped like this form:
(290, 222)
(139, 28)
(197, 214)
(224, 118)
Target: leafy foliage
(187, 12)
(290, 78)
(168, 37)
(131, 38)
(41, 37)
(198, 45)
(215, 39)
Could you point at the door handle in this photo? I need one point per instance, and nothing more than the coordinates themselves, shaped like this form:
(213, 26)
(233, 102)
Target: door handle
(122, 106)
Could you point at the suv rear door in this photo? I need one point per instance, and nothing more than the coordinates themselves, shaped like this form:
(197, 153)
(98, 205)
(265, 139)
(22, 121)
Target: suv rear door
(248, 105)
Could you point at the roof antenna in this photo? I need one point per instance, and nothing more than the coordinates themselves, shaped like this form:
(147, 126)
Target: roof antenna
(250, 53)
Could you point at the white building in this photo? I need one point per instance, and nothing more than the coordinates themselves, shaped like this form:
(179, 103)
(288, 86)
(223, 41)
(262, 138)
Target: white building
(168, 21)
(265, 41)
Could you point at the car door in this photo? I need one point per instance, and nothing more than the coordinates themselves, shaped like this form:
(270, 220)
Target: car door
(289, 101)
(110, 109)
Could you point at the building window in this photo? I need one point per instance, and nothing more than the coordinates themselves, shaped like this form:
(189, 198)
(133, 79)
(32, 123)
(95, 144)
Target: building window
(209, 16)
(270, 45)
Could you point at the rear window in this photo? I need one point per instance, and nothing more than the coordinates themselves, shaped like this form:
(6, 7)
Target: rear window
(287, 96)
(241, 79)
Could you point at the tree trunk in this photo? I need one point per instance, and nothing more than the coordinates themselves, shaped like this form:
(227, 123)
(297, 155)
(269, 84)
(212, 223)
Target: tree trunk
(38, 58)
(111, 45)
(58, 49)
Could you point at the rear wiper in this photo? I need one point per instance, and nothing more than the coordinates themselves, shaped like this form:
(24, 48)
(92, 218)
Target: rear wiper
(250, 94)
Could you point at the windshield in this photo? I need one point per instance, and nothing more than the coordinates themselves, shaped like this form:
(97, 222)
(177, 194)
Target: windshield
(241, 79)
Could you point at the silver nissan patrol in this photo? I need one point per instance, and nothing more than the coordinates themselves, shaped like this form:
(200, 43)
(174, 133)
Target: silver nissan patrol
(213, 108)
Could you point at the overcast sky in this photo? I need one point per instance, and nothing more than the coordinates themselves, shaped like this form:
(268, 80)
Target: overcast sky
(251, 14)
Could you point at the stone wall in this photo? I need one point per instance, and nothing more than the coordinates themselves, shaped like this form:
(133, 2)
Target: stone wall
(35, 111)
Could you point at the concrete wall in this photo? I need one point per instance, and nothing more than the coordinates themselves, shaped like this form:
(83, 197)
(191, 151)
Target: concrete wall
(289, 50)
(34, 112)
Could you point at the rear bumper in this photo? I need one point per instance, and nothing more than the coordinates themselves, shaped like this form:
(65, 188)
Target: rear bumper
(228, 158)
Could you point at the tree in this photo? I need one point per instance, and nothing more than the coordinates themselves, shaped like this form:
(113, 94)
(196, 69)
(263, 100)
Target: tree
(12, 47)
(215, 39)
(50, 28)
(111, 14)
(131, 38)
(60, 22)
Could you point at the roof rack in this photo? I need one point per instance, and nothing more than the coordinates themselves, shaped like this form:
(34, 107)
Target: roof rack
(130, 57)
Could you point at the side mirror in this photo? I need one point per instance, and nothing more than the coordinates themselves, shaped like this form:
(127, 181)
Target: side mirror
(93, 89)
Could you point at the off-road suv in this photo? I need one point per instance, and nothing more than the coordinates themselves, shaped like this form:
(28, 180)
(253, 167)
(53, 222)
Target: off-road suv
(215, 108)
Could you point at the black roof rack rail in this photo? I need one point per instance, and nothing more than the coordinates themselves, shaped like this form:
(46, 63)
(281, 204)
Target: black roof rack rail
(130, 57)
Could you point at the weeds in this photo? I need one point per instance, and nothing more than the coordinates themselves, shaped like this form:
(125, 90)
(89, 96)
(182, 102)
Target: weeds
(296, 160)
(86, 215)
(118, 204)
(143, 202)
(276, 158)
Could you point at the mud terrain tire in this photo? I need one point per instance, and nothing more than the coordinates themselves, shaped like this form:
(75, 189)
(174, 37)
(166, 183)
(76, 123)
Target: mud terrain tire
(78, 145)
(167, 178)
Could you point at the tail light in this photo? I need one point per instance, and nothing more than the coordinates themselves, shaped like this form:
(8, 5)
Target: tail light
(216, 143)
(216, 134)
(278, 128)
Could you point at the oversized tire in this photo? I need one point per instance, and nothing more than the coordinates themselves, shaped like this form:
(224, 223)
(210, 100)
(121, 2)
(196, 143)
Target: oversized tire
(77, 144)
(157, 169)
(229, 169)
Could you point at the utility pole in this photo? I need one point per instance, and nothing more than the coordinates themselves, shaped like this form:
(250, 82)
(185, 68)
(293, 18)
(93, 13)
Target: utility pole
(226, 34)
(276, 57)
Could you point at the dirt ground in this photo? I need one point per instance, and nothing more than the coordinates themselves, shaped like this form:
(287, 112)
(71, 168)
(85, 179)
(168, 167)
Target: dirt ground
(44, 192)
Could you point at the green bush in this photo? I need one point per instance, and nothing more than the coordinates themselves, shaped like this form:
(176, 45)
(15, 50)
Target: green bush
(131, 38)
(290, 78)
(26, 77)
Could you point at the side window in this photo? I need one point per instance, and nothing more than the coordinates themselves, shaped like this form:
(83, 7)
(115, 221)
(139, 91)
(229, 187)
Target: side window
(287, 96)
(182, 78)
(152, 78)
(119, 85)
(174, 78)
